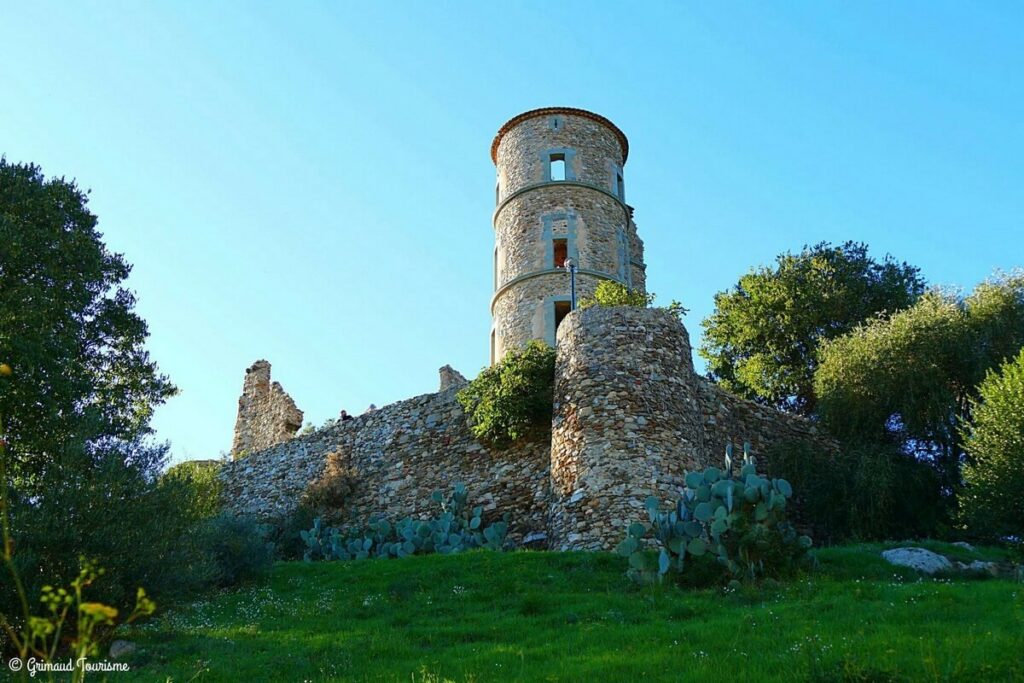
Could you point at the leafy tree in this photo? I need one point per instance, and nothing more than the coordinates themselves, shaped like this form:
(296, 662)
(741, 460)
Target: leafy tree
(910, 378)
(513, 398)
(991, 503)
(67, 326)
(762, 341)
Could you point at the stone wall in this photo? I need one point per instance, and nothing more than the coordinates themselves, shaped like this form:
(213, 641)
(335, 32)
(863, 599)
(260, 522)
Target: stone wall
(267, 415)
(625, 425)
(630, 417)
(400, 454)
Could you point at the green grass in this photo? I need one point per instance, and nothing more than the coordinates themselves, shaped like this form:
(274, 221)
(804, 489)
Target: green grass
(534, 616)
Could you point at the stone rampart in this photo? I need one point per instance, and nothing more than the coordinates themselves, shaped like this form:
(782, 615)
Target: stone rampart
(630, 417)
(400, 454)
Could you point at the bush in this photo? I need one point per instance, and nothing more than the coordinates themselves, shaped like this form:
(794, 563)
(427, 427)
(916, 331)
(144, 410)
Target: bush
(868, 491)
(201, 478)
(610, 293)
(329, 493)
(237, 549)
(284, 532)
(512, 399)
(739, 518)
(109, 504)
(992, 504)
(458, 528)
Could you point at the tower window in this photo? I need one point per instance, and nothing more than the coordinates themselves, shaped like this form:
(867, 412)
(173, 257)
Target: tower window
(560, 251)
(557, 167)
(561, 310)
(620, 186)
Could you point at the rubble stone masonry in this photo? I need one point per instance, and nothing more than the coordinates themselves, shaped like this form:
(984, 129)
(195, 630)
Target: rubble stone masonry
(266, 414)
(630, 417)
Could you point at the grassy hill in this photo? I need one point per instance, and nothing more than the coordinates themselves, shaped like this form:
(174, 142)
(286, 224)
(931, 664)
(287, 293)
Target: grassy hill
(532, 616)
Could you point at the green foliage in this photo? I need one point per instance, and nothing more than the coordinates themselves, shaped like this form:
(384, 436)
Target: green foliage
(992, 504)
(201, 478)
(69, 625)
(237, 547)
(456, 529)
(867, 491)
(610, 293)
(513, 398)
(68, 328)
(110, 504)
(284, 532)
(910, 378)
(737, 517)
(762, 341)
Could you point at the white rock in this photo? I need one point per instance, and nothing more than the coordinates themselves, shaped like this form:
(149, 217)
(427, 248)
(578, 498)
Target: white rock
(964, 544)
(121, 648)
(917, 558)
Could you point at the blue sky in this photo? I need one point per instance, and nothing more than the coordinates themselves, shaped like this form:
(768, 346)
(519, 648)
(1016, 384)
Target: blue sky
(310, 182)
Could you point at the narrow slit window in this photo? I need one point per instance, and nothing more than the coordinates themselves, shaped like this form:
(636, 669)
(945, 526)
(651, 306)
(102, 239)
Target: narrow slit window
(561, 310)
(558, 167)
(620, 187)
(560, 251)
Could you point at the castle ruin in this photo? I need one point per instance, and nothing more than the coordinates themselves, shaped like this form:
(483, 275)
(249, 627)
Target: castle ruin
(630, 414)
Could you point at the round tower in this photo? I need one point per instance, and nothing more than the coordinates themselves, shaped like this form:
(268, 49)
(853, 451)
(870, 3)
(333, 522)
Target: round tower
(560, 194)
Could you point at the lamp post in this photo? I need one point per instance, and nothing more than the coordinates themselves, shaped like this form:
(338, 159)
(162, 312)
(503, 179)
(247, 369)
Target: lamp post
(570, 265)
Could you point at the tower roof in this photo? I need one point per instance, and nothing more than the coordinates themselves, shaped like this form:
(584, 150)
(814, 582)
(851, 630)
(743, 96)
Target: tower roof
(546, 111)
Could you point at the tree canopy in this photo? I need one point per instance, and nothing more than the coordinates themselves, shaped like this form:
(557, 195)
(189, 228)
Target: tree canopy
(762, 340)
(911, 377)
(991, 503)
(68, 329)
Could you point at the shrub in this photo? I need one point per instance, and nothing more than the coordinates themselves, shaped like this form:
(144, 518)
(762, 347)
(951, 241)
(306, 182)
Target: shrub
(868, 491)
(108, 504)
(739, 518)
(284, 532)
(610, 293)
(237, 549)
(991, 504)
(512, 399)
(200, 478)
(330, 491)
(457, 528)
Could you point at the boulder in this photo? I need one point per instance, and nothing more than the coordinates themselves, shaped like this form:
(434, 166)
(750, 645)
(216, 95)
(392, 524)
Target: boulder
(918, 558)
(120, 649)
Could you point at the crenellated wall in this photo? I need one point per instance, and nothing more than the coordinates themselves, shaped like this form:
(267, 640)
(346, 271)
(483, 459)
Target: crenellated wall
(630, 417)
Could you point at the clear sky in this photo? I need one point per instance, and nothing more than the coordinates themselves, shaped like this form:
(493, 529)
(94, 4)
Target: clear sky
(309, 182)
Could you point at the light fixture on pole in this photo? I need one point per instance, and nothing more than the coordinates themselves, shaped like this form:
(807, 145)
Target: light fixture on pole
(570, 265)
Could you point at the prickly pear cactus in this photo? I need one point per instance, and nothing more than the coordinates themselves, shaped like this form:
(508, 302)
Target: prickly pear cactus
(457, 528)
(738, 517)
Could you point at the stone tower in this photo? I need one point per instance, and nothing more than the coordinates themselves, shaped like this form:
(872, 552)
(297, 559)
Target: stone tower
(560, 194)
